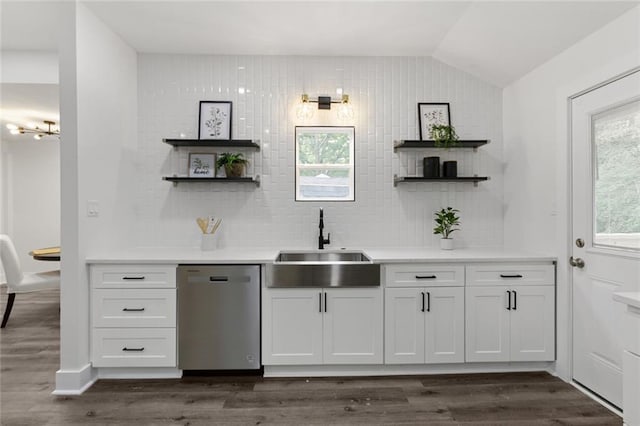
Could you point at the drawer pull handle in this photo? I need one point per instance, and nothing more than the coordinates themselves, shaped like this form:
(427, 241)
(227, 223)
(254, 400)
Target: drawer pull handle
(426, 277)
(141, 277)
(132, 309)
(218, 279)
(125, 349)
(510, 276)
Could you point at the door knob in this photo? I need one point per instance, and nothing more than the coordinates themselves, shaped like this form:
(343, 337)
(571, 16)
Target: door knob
(576, 262)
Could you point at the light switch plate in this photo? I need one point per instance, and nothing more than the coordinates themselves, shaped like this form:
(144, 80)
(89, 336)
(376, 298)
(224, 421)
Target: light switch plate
(93, 208)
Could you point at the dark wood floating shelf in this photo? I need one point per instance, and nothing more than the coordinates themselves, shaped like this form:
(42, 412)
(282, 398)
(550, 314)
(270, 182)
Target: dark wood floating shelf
(176, 179)
(231, 143)
(409, 144)
(473, 179)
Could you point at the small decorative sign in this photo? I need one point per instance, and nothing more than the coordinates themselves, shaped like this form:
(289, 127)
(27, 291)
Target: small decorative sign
(430, 114)
(215, 120)
(202, 165)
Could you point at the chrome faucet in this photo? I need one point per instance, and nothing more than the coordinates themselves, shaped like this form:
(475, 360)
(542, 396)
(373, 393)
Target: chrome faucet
(321, 240)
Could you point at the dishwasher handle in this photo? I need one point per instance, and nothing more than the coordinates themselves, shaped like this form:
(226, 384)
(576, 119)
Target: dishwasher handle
(218, 279)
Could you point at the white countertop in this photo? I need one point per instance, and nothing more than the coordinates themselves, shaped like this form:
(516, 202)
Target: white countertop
(193, 255)
(631, 298)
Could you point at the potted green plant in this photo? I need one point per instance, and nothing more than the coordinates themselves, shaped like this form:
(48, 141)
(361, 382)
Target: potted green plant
(447, 221)
(233, 164)
(443, 136)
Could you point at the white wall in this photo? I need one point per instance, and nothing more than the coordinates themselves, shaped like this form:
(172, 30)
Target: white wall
(37, 67)
(536, 189)
(385, 93)
(32, 196)
(98, 108)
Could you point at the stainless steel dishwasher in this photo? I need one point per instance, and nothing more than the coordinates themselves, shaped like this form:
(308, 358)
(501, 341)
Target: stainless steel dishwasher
(218, 317)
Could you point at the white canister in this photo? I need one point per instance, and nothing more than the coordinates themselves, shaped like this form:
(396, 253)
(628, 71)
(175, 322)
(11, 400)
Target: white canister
(446, 243)
(209, 242)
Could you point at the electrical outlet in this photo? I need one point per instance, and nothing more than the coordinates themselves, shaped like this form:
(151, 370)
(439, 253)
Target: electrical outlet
(93, 208)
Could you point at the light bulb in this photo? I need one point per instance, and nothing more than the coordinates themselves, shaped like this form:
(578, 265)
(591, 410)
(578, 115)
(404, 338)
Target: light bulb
(37, 137)
(304, 110)
(12, 126)
(14, 131)
(345, 110)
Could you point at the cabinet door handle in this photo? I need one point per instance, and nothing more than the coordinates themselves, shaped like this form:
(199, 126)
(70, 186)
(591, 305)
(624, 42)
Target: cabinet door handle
(508, 300)
(140, 277)
(426, 277)
(422, 310)
(428, 302)
(515, 300)
(510, 276)
(325, 302)
(125, 349)
(132, 309)
(320, 302)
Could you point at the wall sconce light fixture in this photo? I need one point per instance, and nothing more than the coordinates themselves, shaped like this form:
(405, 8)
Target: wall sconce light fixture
(305, 110)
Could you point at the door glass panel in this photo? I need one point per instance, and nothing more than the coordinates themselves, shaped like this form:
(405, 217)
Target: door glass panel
(616, 148)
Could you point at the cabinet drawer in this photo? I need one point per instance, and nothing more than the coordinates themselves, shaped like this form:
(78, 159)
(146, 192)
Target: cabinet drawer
(133, 347)
(133, 276)
(512, 274)
(133, 307)
(424, 275)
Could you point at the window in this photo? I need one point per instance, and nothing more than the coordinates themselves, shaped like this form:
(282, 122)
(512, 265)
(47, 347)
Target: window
(616, 148)
(325, 163)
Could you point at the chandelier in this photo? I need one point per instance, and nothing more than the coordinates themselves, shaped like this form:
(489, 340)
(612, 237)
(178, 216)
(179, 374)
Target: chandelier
(37, 132)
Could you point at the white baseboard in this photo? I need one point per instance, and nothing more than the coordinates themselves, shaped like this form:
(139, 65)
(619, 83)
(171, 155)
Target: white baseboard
(75, 382)
(139, 373)
(398, 370)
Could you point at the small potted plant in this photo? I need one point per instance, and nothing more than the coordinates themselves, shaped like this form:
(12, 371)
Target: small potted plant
(233, 164)
(447, 221)
(443, 136)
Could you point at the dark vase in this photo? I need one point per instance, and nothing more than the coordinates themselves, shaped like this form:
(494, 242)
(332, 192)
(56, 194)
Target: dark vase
(450, 169)
(431, 167)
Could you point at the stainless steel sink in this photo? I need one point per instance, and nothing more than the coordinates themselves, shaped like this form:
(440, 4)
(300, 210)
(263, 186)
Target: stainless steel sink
(322, 257)
(322, 269)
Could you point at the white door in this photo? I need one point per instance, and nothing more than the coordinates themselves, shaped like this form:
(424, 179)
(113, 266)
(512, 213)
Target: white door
(605, 126)
(533, 323)
(487, 324)
(404, 326)
(444, 324)
(353, 326)
(291, 326)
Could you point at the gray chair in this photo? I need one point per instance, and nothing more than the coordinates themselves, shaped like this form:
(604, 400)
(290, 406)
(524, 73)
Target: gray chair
(21, 282)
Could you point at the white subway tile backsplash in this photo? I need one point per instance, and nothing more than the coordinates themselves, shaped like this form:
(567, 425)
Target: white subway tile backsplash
(384, 91)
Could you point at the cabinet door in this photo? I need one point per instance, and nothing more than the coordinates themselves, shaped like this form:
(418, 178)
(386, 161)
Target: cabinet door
(487, 324)
(403, 326)
(533, 323)
(353, 326)
(444, 324)
(291, 326)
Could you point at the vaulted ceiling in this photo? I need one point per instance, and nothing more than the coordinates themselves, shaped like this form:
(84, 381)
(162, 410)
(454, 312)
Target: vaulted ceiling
(498, 41)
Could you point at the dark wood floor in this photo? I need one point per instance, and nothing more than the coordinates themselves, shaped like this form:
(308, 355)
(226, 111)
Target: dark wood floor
(29, 359)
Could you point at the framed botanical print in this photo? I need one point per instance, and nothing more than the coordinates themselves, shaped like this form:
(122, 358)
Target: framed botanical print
(430, 114)
(215, 120)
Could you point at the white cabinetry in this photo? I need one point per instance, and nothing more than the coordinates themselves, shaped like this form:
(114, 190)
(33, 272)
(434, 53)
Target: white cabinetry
(424, 323)
(321, 326)
(510, 312)
(133, 315)
(631, 357)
